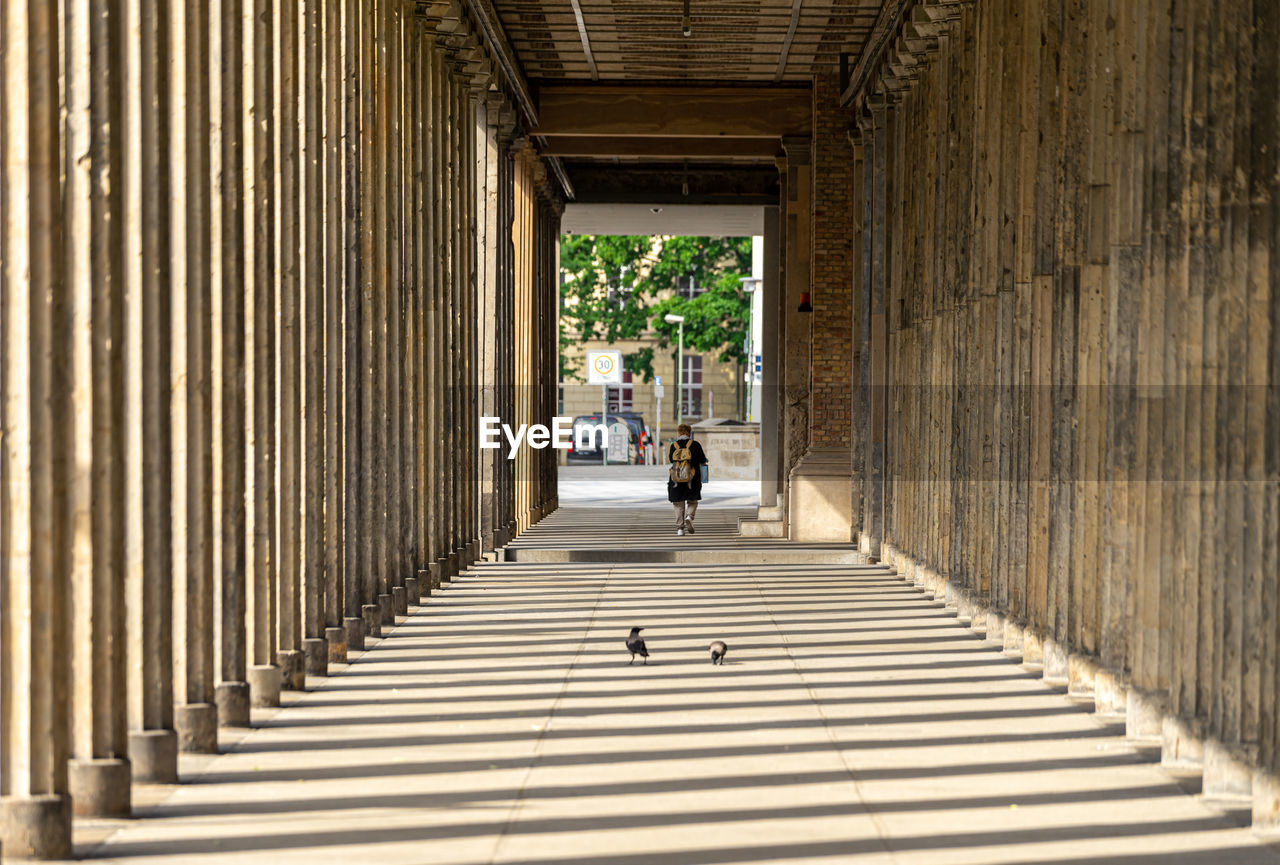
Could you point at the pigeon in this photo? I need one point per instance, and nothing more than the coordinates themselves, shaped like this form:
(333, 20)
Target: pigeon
(636, 646)
(718, 650)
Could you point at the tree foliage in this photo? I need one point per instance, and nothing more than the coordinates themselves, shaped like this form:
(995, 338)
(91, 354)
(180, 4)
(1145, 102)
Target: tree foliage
(613, 283)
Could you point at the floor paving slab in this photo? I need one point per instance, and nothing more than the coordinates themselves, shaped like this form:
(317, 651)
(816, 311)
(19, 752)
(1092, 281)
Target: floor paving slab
(853, 721)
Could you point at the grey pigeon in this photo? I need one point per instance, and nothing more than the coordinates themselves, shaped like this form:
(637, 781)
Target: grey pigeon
(636, 646)
(718, 650)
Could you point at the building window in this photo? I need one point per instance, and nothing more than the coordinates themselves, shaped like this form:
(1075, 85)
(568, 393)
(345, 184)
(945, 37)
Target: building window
(620, 394)
(688, 288)
(691, 386)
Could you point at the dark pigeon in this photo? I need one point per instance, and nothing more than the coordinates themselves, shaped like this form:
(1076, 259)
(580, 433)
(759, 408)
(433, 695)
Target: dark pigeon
(718, 650)
(636, 646)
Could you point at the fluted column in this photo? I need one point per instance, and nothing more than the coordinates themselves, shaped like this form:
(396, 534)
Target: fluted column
(371, 520)
(315, 205)
(191, 501)
(336, 258)
(289, 328)
(35, 811)
(391, 243)
(228, 364)
(354, 536)
(261, 312)
(93, 488)
(147, 369)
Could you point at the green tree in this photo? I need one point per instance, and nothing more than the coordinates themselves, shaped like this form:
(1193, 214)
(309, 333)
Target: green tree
(610, 283)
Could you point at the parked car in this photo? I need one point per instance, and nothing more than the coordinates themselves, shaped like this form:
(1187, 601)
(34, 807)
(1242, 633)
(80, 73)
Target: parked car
(635, 423)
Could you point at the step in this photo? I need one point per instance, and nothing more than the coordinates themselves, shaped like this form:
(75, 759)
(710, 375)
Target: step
(749, 528)
(660, 555)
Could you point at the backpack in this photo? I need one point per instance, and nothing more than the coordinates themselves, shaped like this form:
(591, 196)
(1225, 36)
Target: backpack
(682, 464)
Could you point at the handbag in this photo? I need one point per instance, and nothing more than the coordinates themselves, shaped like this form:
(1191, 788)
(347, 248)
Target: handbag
(706, 475)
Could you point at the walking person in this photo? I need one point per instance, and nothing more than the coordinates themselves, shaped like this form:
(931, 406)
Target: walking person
(684, 485)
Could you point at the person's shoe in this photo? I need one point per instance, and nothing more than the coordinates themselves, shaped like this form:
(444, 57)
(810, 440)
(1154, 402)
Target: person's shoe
(679, 531)
(688, 526)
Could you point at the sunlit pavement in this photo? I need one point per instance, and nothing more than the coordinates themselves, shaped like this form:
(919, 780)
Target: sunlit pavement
(853, 720)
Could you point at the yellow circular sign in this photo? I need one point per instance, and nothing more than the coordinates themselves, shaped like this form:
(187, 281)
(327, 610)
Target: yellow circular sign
(604, 364)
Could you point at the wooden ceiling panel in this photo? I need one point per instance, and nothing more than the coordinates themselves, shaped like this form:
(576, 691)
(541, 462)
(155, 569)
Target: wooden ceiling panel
(732, 40)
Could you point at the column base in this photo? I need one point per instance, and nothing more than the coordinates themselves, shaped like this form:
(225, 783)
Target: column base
(1012, 640)
(1266, 802)
(1228, 774)
(1081, 674)
(473, 552)
(412, 593)
(1056, 672)
(995, 627)
(400, 600)
(1032, 650)
(36, 827)
(1182, 747)
(100, 787)
(316, 651)
(233, 703)
(293, 669)
(353, 630)
(197, 727)
(1144, 720)
(436, 570)
(821, 496)
(424, 584)
(386, 609)
(372, 620)
(335, 640)
(154, 755)
(1109, 696)
(451, 566)
(264, 686)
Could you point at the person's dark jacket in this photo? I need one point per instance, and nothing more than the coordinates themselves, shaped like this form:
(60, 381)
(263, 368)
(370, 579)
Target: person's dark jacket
(692, 491)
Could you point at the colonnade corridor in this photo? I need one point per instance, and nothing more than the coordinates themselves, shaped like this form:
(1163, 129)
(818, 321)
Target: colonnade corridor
(1007, 588)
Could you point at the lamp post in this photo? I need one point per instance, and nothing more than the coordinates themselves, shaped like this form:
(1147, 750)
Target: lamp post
(671, 318)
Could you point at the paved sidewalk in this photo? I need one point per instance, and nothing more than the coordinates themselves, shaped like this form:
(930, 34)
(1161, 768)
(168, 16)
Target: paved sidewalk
(853, 721)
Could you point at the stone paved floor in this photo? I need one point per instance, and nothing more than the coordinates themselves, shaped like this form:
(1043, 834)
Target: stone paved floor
(501, 723)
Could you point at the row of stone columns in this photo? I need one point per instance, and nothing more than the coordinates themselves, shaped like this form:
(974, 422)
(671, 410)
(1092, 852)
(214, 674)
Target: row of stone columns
(250, 255)
(1065, 258)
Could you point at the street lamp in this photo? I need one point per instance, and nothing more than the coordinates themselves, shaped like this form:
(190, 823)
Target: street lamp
(671, 318)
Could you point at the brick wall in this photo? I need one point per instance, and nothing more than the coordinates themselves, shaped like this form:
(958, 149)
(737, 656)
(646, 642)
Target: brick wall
(832, 266)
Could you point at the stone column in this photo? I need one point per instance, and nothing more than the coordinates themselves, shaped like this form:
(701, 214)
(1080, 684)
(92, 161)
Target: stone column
(314, 207)
(392, 243)
(35, 597)
(261, 376)
(377, 329)
(874, 334)
(336, 257)
(437, 556)
(289, 324)
(191, 502)
(488, 121)
(354, 494)
(798, 281)
(370, 521)
(92, 488)
(770, 486)
(228, 353)
(148, 548)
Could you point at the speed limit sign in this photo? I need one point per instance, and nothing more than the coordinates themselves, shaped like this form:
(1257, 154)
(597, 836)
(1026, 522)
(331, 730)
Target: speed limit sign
(604, 367)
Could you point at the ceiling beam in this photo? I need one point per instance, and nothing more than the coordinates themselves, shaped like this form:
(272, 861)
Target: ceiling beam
(586, 41)
(681, 112)
(786, 42)
(667, 184)
(668, 148)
